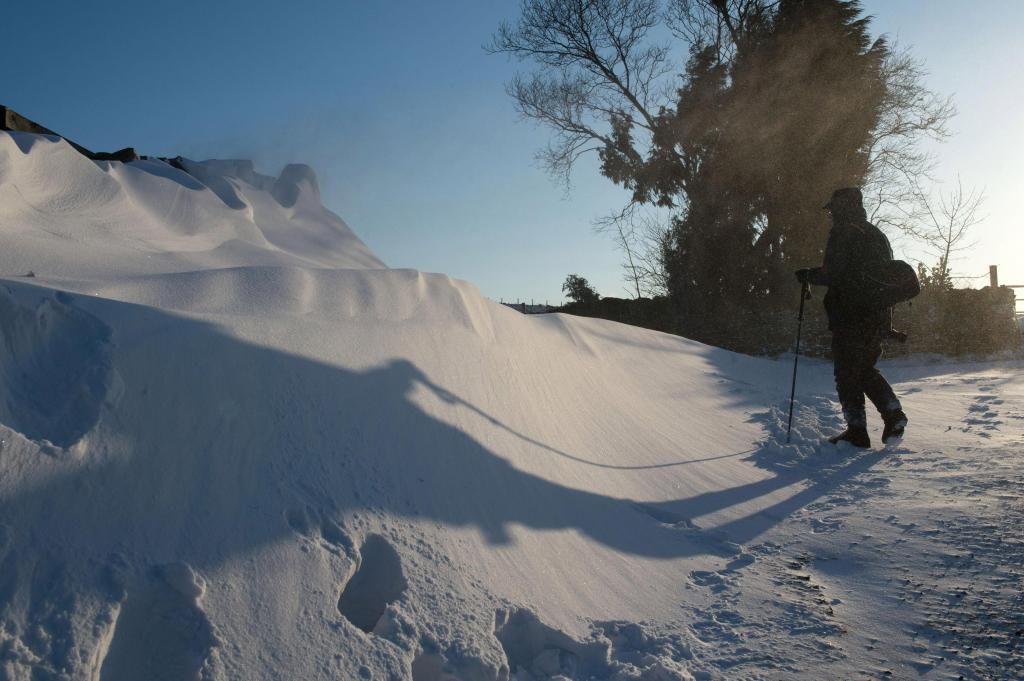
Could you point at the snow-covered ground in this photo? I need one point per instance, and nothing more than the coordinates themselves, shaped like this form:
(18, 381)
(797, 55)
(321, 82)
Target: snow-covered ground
(234, 445)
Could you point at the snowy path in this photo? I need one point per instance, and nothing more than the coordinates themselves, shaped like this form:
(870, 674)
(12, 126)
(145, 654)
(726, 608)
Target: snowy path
(911, 567)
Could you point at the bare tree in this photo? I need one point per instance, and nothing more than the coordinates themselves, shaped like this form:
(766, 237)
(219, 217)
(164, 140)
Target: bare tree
(625, 239)
(897, 163)
(642, 236)
(654, 237)
(946, 223)
(594, 63)
(720, 24)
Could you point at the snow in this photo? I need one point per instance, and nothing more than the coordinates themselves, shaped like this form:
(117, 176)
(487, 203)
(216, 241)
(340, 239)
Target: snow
(233, 444)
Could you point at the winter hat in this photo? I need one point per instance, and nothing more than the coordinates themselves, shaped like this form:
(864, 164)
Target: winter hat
(845, 199)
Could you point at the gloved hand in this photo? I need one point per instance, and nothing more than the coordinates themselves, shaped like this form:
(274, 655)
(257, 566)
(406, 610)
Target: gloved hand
(803, 275)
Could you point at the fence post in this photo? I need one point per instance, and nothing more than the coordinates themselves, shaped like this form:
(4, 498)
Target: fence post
(993, 276)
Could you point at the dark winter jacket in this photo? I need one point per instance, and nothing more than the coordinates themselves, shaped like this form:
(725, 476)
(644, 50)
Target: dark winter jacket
(853, 245)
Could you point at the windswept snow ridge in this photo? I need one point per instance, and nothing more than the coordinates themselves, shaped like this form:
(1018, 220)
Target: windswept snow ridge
(233, 445)
(65, 216)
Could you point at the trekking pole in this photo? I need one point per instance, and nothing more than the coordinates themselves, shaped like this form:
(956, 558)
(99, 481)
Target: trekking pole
(805, 293)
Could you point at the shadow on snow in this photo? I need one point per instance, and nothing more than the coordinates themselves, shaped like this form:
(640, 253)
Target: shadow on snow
(226, 437)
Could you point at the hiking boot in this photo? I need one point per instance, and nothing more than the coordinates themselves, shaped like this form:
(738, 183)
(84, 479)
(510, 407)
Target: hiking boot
(895, 424)
(855, 435)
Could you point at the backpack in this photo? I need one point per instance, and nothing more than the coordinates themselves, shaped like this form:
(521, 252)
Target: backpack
(885, 283)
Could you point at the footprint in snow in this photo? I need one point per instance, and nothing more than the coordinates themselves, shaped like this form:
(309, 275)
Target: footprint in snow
(321, 530)
(161, 632)
(379, 580)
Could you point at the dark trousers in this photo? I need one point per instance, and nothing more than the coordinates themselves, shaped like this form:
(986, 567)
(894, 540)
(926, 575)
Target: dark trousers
(854, 354)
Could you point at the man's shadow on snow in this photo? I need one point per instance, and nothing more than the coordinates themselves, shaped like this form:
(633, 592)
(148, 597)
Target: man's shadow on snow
(224, 439)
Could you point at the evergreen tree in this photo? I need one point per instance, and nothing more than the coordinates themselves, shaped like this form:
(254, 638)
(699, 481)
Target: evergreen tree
(756, 144)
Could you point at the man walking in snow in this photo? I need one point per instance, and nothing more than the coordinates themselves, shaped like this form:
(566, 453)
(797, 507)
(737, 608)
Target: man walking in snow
(854, 244)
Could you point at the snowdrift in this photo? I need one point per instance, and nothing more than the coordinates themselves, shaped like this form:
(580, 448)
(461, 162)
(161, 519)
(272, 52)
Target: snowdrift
(234, 445)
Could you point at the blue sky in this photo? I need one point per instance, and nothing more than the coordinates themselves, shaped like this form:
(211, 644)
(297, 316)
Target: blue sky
(406, 121)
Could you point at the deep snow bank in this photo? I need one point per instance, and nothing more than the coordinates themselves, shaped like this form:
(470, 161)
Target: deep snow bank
(66, 216)
(270, 457)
